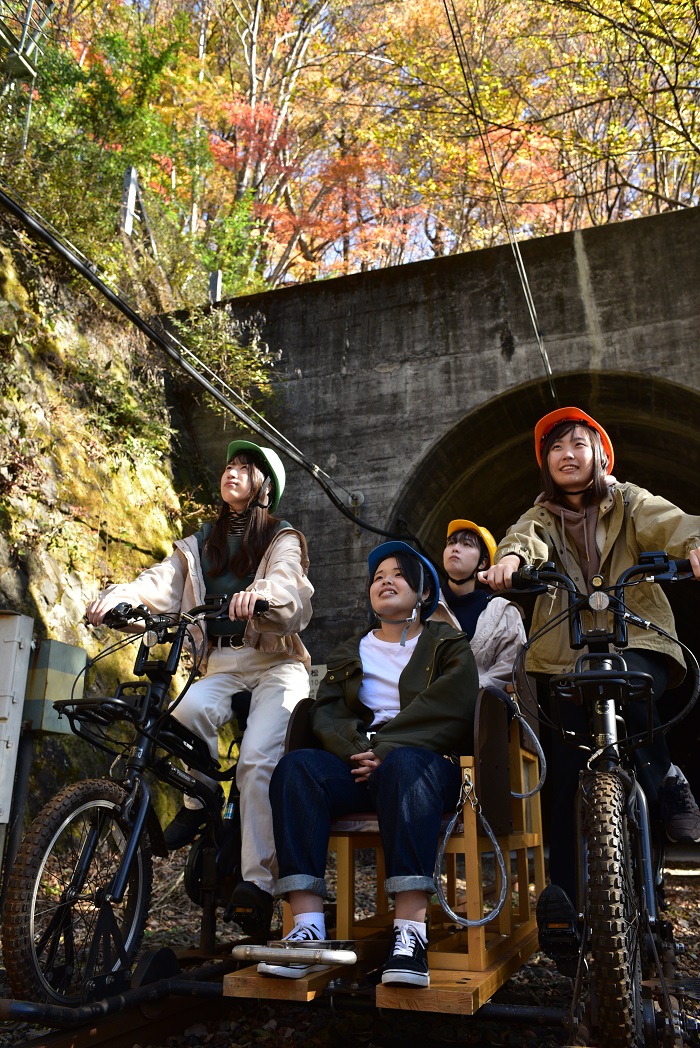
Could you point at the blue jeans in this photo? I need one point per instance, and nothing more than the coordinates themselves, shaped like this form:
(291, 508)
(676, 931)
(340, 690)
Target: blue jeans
(409, 791)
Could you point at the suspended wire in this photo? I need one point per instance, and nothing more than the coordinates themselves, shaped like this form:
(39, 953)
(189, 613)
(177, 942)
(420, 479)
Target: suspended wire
(482, 123)
(171, 337)
(262, 421)
(177, 352)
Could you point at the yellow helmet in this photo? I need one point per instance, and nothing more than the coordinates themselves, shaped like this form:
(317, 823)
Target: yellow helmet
(484, 533)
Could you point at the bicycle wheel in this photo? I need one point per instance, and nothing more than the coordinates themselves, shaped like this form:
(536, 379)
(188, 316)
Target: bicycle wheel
(61, 937)
(614, 915)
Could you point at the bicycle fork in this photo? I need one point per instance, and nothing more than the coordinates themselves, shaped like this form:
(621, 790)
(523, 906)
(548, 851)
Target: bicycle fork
(107, 946)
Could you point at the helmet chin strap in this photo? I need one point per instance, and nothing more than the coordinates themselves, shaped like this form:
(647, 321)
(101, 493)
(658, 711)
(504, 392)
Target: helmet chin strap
(588, 487)
(397, 622)
(460, 582)
(264, 490)
(477, 569)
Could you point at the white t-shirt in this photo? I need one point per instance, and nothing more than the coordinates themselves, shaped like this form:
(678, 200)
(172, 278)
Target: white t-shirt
(382, 663)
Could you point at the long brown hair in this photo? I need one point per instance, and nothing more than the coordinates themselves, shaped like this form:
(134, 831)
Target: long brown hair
(257, 534)
(599, 486)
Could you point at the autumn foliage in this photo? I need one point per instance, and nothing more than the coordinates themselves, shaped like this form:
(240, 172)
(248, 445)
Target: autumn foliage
(291, 140)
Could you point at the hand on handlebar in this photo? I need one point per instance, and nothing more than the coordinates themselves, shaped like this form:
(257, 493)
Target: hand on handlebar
(694, 558)
(242, 605)
(97, 609)
(499, 576)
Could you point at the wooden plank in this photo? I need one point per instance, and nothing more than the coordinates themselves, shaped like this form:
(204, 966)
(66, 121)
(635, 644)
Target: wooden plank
(248, 983)
(457, 992)
(453, 950)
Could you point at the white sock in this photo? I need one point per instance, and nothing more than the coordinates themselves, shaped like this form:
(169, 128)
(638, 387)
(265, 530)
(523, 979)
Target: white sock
(674, 772)
(192, 804)
(418, 927)
(317, 921)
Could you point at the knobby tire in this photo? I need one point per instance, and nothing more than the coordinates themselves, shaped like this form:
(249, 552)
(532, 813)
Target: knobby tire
(51, 946)
(614, 915)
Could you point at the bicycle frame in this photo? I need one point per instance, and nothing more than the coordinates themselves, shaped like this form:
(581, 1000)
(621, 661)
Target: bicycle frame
(602, 684)
(155, 729)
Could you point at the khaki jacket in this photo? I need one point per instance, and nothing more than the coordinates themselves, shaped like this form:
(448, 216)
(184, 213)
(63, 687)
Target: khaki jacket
(176, 584)
(630, 521)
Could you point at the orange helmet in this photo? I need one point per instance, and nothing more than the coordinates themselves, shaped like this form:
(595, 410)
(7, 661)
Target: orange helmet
(547, 424)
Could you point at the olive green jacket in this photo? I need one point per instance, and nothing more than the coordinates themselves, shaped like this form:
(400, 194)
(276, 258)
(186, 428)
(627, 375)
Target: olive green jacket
(630, 521)
(437, 694)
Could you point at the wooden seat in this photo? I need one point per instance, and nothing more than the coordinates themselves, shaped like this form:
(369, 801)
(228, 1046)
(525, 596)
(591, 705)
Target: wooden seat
(467, 965)
(502, 762)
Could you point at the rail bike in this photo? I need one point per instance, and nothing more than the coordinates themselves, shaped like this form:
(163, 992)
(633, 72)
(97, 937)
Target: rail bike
(79, 893)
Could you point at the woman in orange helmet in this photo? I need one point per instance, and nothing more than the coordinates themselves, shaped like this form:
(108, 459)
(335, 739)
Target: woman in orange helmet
(589, 524)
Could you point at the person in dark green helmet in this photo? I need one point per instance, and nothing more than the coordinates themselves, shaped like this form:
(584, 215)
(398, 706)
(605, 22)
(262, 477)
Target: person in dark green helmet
(253, 555)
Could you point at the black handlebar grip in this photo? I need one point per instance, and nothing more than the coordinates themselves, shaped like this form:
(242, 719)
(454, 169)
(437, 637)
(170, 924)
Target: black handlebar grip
(261, 606)
(684, 567)
(526, 583)
(118, 615)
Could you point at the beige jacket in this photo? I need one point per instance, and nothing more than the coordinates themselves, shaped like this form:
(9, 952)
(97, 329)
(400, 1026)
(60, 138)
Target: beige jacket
(498, 639)
(630, 521)
(177, 584)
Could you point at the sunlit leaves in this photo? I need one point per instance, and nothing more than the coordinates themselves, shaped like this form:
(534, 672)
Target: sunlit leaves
(286, 140)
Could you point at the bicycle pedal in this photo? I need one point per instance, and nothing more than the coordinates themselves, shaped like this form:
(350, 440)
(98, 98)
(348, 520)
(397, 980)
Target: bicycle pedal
(557, 928)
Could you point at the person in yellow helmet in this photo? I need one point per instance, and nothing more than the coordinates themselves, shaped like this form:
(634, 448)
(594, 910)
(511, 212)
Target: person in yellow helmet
(249, 555)
(494, 625)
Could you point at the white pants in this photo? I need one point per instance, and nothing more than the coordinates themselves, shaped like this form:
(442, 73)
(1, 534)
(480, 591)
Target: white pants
(277, 683)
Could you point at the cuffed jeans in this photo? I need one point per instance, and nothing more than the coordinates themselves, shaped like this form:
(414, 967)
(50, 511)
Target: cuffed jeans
(409, 791)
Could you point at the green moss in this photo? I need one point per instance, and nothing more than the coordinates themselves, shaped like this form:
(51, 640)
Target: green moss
(87, 495)
(11, 290)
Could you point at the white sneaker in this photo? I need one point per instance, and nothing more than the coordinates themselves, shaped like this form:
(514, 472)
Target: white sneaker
(301, 934)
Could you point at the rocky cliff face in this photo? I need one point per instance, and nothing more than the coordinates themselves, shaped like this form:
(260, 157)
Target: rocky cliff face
(86, 489)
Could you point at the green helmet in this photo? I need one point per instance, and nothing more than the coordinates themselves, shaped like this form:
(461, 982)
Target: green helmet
(273, 465)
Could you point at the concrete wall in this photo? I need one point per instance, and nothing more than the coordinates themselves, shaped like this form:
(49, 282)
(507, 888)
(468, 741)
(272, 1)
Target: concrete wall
(419, 386)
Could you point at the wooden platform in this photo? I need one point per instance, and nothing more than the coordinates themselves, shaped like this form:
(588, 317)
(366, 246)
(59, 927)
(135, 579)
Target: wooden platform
(247, 983)
(467, 965)
(458, 992)
(454, 992)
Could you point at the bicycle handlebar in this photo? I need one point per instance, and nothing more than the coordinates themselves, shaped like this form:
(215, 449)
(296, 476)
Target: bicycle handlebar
(123, 614)
(652, 567)
(655, 567)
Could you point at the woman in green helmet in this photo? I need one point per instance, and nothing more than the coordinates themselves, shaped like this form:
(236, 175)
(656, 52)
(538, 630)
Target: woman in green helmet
(252, 555)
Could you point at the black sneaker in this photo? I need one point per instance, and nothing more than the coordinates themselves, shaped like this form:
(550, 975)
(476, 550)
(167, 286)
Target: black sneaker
(251, 909)
(408, 961)
(303, 934)
(184, 828)
(557, 926)
(679, 812)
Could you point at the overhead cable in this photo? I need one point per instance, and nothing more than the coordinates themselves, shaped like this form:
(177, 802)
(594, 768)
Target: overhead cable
(178, 353)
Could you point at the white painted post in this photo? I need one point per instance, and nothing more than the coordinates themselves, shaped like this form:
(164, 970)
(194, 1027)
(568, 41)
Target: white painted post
(16, 632)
